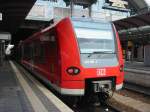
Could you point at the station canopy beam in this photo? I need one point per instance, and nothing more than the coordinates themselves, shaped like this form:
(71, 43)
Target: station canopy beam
(133, 21)
(84, 3)
(134, 28)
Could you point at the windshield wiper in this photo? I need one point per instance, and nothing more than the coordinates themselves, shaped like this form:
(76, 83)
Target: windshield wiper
(101, 52)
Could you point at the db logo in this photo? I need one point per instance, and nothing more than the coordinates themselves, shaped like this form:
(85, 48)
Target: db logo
(101, 72)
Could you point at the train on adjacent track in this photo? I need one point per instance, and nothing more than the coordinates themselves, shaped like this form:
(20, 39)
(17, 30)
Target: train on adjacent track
(76, 56)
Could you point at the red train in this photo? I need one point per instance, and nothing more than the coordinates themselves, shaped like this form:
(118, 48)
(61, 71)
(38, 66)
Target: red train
(76, 56)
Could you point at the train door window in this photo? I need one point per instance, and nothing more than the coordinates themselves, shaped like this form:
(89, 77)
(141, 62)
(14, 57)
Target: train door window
(35, 51)
(53, 52)
(39, 53)
(32, 51)
(53, 44)
(44, 41)
(42, 53)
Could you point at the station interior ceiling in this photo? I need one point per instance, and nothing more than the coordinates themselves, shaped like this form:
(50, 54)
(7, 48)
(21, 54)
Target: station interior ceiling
(14, 13)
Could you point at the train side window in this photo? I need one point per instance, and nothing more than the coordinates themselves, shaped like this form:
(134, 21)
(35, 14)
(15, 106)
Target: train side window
(38, 52)
(30, 52)
(52, 38)
(34, 50)
(27, 52)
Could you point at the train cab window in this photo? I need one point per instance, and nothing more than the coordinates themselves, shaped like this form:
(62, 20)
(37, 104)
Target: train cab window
(99, 38)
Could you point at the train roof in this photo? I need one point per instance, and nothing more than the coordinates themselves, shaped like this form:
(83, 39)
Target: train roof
(90, 23)
(77, 22)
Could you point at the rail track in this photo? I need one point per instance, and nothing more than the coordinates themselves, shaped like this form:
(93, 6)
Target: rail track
(92, 106)
(95, 109)
(89, 107)
(137, 88)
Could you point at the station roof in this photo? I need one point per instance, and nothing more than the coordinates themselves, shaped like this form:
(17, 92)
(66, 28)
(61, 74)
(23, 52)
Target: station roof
(133, 21)
(135, 28)
(141, 18)
(13, 13)
(139, 5)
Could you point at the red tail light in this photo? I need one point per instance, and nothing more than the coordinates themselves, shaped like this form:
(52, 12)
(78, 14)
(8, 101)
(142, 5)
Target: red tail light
(73, 71)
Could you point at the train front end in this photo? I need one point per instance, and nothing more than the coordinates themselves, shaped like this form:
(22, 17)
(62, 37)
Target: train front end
(91, 57)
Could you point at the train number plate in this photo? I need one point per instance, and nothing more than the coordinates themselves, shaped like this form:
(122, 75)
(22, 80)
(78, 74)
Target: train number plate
(100, 86)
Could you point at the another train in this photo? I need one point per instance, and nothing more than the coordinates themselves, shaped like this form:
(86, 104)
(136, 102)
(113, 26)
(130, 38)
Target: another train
(76, 57)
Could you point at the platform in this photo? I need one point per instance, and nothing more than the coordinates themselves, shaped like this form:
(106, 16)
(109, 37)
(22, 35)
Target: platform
(12, 96)
(137, 73)
(21, 93)
(136, 65)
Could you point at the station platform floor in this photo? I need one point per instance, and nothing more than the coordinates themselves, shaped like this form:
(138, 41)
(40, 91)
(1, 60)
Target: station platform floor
(136, 65)
(19, 94)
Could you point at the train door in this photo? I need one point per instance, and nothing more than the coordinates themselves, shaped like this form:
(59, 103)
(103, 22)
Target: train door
(54, 59)
(32, 56)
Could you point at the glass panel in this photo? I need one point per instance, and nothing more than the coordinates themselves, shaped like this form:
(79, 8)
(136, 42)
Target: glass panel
(93, 33)
(95, 45)
(95, 40)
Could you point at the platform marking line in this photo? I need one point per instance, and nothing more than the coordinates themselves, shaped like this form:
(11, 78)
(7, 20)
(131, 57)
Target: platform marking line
(56, 101)
(34, 100)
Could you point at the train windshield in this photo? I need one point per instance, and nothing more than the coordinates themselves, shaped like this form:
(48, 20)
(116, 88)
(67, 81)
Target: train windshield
(95, 40)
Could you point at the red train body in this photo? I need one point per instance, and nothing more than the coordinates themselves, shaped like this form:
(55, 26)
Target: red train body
(72, 55)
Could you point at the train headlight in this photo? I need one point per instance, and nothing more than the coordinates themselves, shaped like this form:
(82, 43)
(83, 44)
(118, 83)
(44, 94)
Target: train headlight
(73, 70)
